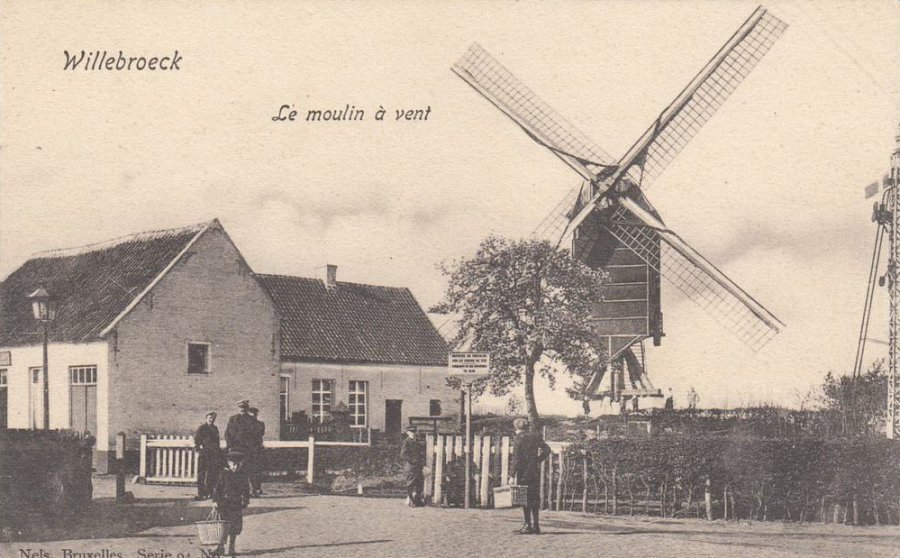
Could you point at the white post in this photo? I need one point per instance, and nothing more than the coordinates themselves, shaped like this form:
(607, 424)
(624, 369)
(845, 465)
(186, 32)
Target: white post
(143, 464)
(439, 442)
(310, 462)
(467, 449)
(485, 470)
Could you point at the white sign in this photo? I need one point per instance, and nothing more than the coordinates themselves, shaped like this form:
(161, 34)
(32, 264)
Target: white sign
(469, 366)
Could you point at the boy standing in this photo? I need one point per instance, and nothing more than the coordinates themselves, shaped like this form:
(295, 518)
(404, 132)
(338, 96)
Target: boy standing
(230, 496)
(529, 450)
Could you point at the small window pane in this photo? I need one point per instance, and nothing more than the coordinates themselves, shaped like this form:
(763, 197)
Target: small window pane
(198, 358)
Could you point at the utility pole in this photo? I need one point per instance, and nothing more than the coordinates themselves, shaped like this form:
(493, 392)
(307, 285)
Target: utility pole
(893, 411)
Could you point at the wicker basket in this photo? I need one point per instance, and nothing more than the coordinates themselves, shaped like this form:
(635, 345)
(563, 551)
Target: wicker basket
(510, 496)
(213, 530)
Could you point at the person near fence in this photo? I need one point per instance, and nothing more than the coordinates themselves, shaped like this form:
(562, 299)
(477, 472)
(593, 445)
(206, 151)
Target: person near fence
(413, 456)
(230, 496)
(84, 487)
(206, 442)
(454, 482)
(240, 435)
(529, 451)
(255, 471)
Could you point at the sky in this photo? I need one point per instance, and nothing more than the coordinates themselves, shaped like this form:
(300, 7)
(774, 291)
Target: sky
(771, 190)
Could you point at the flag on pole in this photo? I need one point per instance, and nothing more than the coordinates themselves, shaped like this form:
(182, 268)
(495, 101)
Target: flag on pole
(871, 189)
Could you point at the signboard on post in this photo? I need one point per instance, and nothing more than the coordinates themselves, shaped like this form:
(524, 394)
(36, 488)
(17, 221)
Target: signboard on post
(469, 366)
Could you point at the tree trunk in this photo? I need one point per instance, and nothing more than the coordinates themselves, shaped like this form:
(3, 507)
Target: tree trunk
(707, 499)
(530, 403)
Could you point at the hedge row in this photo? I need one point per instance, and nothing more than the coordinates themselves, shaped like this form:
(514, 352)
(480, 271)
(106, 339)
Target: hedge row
(851, 481)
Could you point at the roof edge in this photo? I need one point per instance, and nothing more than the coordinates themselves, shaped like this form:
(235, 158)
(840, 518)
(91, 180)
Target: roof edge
(105, 244)
(157, 279)
(287, 359)
(319, 280)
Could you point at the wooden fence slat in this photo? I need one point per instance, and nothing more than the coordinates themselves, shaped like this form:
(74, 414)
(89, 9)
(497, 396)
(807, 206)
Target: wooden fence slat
(143, 463)
(429, 463)
(485, 472)
(545, 474)
(439, 468)
(559, 482)
(504, 461)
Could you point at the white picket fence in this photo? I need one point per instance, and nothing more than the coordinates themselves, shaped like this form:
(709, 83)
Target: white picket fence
(170, 459)
(491, 459)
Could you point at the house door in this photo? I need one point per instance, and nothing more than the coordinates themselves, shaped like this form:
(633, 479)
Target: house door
(36, 388)
(393, 416)
(83, 398)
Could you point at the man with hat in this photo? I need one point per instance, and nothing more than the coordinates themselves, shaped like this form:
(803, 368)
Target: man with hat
(254, 459)
(240, 434)
(206, 442)
(413, 456)
(529, 450)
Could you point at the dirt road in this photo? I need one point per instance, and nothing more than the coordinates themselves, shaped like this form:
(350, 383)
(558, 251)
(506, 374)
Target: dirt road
(283, 524)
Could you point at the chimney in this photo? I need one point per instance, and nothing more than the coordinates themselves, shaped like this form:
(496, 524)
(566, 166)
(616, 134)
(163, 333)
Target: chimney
(330, 278)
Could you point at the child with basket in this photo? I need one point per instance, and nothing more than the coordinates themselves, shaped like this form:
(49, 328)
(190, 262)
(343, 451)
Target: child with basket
(230, 496)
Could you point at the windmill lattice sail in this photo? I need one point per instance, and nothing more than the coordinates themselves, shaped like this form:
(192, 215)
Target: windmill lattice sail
(679, 123)
(596, 221)
(546, 126)
(694, 276)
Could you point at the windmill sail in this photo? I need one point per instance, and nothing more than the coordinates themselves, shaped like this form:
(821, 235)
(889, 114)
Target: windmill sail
(694, 276)
(547, 127)
(696, 104)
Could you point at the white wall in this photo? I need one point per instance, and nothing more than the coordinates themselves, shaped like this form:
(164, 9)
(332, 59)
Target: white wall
(414, 385)
(60, 357)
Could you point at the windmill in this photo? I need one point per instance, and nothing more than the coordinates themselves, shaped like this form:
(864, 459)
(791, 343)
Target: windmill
(887, 215)
(610, 223)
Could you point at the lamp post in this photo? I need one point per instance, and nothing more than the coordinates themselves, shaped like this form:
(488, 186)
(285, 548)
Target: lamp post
(43, 305)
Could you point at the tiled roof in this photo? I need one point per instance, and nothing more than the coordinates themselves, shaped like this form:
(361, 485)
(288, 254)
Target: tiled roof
(93, 284)
(352, 323)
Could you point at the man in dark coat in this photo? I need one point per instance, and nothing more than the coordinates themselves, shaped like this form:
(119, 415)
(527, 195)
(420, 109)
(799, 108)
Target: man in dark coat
(255, 459)
(413, 456)
(230, 496)
(240, 435)
(529, 451)
(206, 442)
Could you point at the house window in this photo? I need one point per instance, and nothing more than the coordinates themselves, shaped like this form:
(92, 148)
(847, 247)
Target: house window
(83, 375)
(36, 375)
(322, 399)
(434, 408)
(198, 358)
(3, 380)
(358, 393)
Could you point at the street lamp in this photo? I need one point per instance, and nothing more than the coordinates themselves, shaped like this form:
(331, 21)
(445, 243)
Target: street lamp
(43, 305)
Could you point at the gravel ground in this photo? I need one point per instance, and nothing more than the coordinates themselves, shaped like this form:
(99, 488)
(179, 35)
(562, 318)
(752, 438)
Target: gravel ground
(285, 523)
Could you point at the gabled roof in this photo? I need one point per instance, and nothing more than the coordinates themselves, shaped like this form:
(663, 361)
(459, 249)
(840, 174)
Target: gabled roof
(352, 323)
(95, 285)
